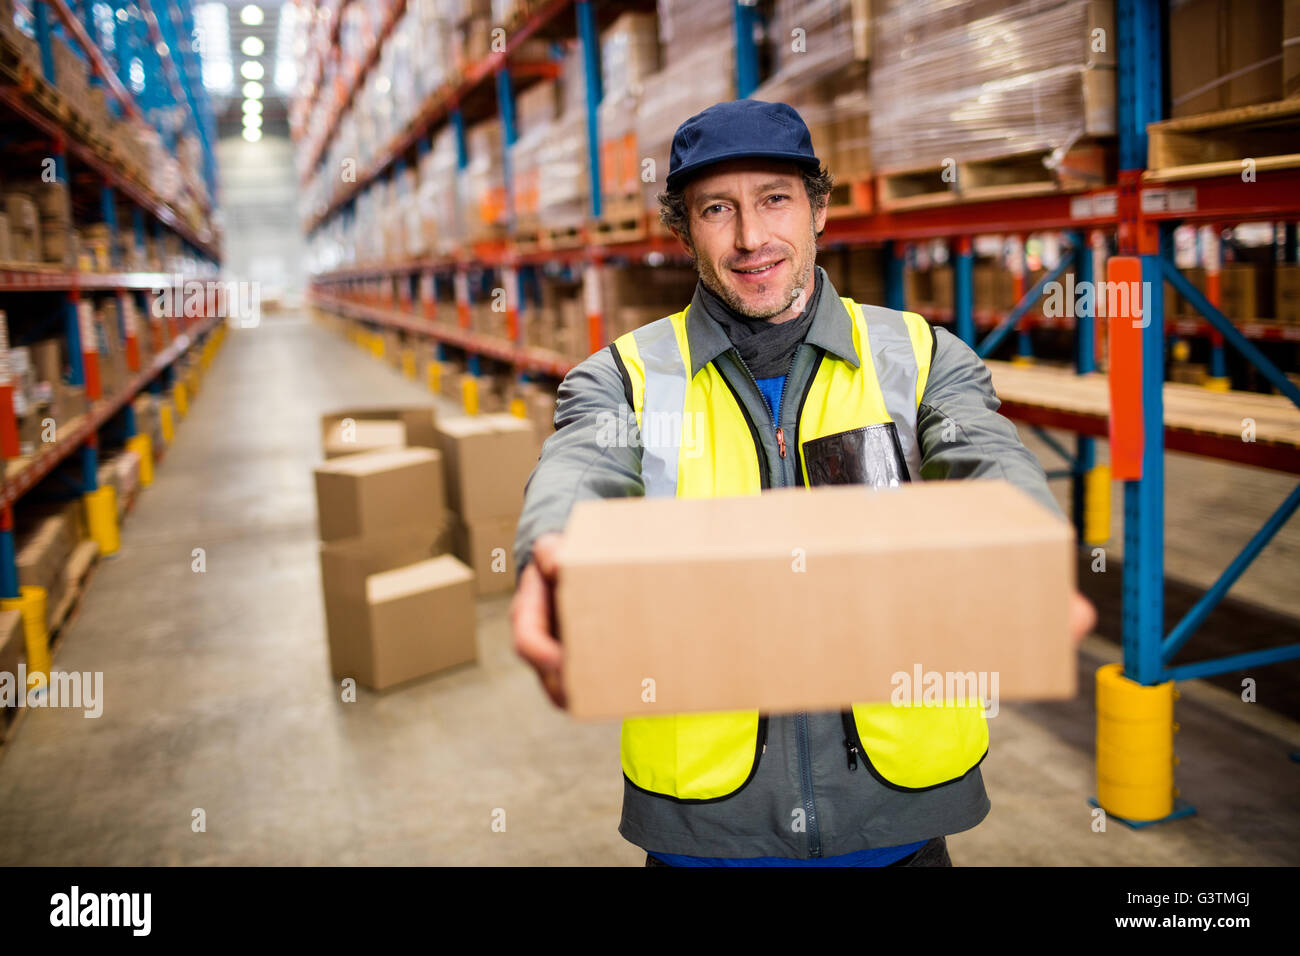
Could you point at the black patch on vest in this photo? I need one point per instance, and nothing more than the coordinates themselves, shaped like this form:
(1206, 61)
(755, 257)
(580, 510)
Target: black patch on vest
(622, 371)
(871, 455)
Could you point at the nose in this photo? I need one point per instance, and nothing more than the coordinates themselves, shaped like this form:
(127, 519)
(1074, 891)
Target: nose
(750, 231)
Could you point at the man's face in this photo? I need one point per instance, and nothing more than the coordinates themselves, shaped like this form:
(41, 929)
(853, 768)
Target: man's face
(753, 233)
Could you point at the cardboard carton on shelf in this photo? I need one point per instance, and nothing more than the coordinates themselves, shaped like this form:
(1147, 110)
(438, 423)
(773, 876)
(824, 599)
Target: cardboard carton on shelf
(801, 599)
(1224, 54)
(1238, 285)
(487, 460)
(13, 652)
(380, 492)
(1287, 294)
(395, 610)
(43, 549)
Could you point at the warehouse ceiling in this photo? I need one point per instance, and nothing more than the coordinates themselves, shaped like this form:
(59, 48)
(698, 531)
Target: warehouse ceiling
(247, 46)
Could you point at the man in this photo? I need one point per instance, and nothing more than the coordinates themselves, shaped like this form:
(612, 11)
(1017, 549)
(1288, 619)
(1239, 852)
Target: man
(796, 386)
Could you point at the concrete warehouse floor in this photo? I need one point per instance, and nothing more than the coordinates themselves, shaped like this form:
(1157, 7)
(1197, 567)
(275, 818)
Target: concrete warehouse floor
(218, 693)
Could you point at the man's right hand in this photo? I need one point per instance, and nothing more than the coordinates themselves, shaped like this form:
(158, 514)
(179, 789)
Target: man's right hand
(532, 617)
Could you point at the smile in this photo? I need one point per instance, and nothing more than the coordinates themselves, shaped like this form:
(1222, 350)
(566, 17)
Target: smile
(759, 270)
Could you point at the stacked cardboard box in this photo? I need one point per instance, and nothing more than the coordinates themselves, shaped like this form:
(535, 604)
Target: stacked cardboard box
(697, 40)
(1291, 48)
(148, 420)
(857, 272)
(636, 295)
(563, 182)
(536, 109)
(397, 607)
(539, 409)
(484, 181)
(13, 653)
(1224, 54)
(488, 460)
(46, 538)
(24, 227)
(122, 471)
(359, 430)
(113, 371)
(818, 57)
(629, 53)
(1239, 297)
(1286, 288)
(31, 401)
(987, 79)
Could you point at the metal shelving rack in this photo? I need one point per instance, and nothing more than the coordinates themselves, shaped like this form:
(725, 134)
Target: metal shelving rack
(171, 72)
(1136, 215)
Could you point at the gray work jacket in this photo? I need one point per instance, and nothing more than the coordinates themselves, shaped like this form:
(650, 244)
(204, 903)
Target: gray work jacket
(803, 801)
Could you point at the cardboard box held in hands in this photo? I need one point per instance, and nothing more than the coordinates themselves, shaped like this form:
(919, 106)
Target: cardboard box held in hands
(813, 599)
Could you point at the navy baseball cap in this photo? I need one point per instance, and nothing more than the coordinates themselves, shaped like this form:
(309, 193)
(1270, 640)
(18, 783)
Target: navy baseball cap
(739, 129)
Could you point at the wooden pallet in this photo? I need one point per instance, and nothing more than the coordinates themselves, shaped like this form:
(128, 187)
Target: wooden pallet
(609, 230)
(1088, 164)
(528, 240)
(13, 59)
(1221, 143)
(566, 237)
(1187, 408)
(49, 100)
(852, 197)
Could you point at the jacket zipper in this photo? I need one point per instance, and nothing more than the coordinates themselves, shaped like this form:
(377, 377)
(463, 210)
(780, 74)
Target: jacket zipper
(801, 718)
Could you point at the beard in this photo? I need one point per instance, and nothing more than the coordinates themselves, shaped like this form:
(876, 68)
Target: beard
(804, 258)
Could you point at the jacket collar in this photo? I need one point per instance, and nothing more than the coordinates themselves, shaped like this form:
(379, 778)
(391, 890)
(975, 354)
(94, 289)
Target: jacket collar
(831, 329)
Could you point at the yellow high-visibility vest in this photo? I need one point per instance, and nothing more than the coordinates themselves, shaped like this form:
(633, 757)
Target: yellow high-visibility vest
(703, 757)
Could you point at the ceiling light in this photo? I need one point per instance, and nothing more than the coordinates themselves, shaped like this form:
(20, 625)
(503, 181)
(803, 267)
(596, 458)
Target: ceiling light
(252, 46)
(253, 90)
(251, 15)
(252, 121)
(253, 106)
(252, 134)
(251, 70)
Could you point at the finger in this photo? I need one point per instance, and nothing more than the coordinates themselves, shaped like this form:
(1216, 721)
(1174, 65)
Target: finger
(1083, 617)
(530, 614)
(546, 555)
(554, 686)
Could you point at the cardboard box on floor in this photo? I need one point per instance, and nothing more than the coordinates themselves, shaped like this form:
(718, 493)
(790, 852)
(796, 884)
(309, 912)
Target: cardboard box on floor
(396, 610)
(383, 491)
(812, 600)
(488, 546)
(357, 430)
(487, 460)
(351, 437)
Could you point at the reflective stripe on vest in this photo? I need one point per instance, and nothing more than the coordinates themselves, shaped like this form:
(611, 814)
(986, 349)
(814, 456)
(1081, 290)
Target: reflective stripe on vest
(702, 757)
(665, 397)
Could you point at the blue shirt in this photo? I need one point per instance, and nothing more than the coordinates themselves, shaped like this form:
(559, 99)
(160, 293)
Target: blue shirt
(772, 389)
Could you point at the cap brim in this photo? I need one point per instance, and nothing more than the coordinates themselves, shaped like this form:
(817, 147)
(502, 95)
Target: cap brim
(677, 178)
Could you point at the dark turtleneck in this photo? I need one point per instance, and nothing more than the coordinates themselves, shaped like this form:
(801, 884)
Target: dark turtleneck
(766, 347)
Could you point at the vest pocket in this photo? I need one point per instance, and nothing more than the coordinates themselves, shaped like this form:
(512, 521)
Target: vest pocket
(916, 747)
(871, 455)
(693, 758)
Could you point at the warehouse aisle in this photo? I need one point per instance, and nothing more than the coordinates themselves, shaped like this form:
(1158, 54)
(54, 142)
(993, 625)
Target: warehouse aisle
(218, 697)
(218, 694)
